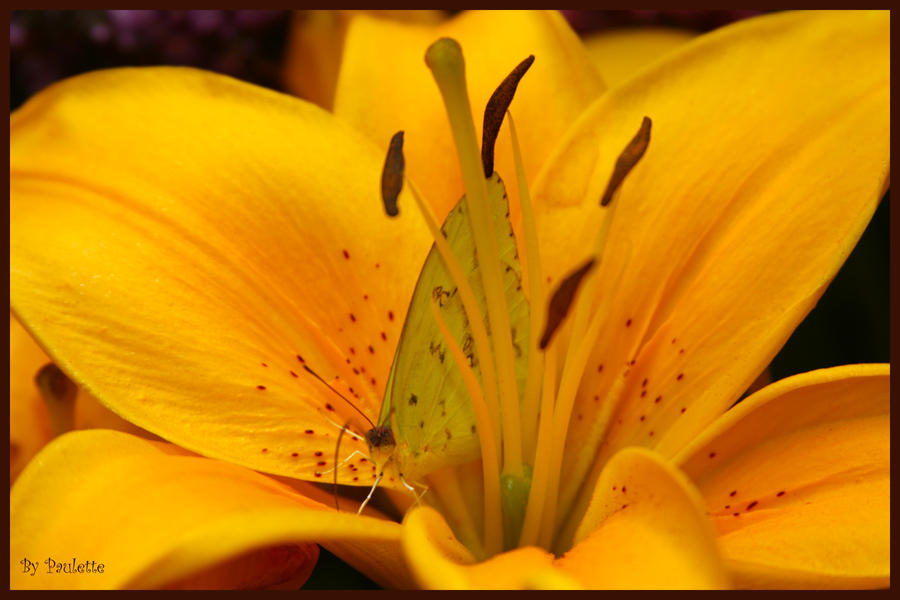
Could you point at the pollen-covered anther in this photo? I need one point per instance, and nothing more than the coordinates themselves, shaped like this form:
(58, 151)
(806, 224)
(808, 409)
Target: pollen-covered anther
(495, 110)
(627, 160)
(561, 301)
(392, 175)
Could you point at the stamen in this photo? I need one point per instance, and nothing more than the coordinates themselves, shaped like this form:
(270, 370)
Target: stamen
(493, 532)
(627, 160)
(561, 301)
(537, 497)
(494, 111)
(392, 175)
(445, 60)
(532, 257)
(59, 394)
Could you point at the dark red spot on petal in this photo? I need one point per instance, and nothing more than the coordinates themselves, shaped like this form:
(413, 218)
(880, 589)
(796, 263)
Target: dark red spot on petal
(318, 453)
(596, 398)
(356, 371)
(265, 449)
(712, 454)
(752, 504)
(362, 460)
(260, 387)
(733, 493)
(346, 254)
(391, 315)
(353, 317)
(365, 296)
(628, 323)
(642, 418)
(683, 409)
(599, 368)
(317, 474)
(680, 377)
(737, 514)
(643, 393)
(294, 374)
(681, 351)
(623, 489)
(780, 494)
(309, 432)
(644, 383)
(300, 358)
(727, 506)
(377, 265)
(264, 364)
(356, 479)
(614, 488)
(352, 350)
(373, 381)
(371, 350)
(384, 336)
(321, 463)
(329, 407)
(295, 454)
(658, 398)
(674, 340)
(651, 434)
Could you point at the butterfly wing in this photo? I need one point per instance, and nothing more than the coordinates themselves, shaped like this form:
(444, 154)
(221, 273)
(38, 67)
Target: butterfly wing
(433, 419)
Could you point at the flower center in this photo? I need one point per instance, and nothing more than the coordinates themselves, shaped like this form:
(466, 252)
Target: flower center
(522, 429)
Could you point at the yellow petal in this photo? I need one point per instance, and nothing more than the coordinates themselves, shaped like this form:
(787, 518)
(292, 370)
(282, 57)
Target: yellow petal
(646, 528)
(29, 424)
(155, 516)
(384, 87)
(315, 45)
(768, 154)
(797, 477)
(439, 561)
(181, 242)
(620, 54)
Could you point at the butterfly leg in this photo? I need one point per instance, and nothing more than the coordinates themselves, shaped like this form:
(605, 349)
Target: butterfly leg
(342, 427)
(371, 491)
(412, 489)
(344, 462)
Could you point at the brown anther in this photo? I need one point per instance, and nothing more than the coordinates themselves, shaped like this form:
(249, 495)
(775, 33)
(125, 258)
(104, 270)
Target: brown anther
(495, 110)
(627, 160)
(561, 301)
(392, 175)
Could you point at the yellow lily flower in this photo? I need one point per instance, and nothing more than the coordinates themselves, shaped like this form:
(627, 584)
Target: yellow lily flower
(226, 237)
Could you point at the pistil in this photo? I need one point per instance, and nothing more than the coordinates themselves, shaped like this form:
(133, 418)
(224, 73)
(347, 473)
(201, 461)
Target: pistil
(445, 60)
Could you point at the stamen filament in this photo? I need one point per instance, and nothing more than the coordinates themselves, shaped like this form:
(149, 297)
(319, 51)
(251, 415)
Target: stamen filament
(493, 522)
(531, 529)
(470, 304)
(445, 60)
(532, 258)
(447, 497)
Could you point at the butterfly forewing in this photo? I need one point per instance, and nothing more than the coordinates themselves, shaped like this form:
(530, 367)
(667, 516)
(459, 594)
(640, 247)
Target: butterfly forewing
(432, 415)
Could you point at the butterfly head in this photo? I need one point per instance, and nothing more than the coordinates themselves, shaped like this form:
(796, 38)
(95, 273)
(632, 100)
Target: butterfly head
(381, 443)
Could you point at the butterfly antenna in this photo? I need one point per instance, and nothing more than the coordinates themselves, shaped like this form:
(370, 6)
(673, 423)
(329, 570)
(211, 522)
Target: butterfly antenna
(337, 449)
(356, 408)
(371, 491)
